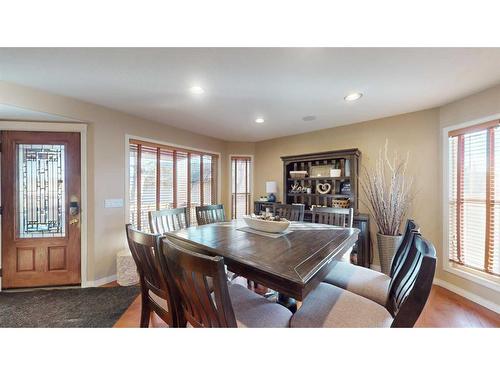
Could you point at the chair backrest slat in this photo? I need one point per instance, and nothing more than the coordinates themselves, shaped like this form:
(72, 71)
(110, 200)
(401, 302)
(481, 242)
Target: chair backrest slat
(201, 305)
(411, 285)
(292, 212)
(151, 268)
(341, 217)
(168, 220)
(210, 214)
(411, 226)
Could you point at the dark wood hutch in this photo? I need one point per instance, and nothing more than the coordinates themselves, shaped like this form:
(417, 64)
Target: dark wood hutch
(343, 187)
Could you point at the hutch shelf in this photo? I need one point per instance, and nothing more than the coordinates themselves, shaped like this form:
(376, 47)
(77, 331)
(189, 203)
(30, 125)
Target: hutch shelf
(332, 181)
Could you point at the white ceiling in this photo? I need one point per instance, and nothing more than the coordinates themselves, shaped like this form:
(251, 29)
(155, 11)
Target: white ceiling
(280, 84)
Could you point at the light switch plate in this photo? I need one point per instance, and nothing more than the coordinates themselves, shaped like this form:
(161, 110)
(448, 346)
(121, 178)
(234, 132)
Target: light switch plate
(113, 203)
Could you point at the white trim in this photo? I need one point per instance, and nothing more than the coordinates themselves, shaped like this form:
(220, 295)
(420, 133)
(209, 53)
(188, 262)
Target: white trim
(128, 137)
(470, 296)
(65, 127)
(486, 281)
(230, 178)
(102, 281)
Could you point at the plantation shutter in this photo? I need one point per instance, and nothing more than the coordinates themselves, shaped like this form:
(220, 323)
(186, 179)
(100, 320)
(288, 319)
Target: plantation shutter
(474, 212)
(195, 188)
(181, 167)
(148, 184)
(164, 177)
(240, 186)
(133, 190)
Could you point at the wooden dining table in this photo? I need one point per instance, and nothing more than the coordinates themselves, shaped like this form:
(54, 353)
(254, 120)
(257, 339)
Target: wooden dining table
(293, 263)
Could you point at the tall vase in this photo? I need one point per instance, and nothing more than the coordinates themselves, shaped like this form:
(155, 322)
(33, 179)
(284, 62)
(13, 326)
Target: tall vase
(387, 247)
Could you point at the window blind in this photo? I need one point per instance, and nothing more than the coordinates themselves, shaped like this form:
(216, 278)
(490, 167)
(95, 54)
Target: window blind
(474, 196)
(167, 177)
(240, 186)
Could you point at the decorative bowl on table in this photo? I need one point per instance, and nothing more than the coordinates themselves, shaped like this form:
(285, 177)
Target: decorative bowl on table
(270, 225)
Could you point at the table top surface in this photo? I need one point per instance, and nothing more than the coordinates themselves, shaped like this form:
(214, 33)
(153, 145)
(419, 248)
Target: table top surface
(295, 256)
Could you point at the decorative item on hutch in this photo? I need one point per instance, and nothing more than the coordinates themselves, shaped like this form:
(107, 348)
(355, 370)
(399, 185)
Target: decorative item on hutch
(320, 171)
(323, 188)
(298, 174)
(335, 172)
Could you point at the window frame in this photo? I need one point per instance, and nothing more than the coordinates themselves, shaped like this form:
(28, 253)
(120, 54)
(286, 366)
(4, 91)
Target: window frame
(478, 277)
(230, 175)
(129, 137)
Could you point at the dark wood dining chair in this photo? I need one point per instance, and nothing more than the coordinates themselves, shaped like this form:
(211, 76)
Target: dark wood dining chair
(330, 306)
(366, 282)
(168, 220)
(291, 212)
(157, 293)
(223, 305)
(341, 217)
(210, 214)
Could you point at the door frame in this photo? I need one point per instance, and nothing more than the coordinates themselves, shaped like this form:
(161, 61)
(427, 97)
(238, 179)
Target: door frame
(63, 127)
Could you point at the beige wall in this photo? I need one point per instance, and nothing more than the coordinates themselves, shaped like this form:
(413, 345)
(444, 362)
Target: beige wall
(106, 163)
(415, 132)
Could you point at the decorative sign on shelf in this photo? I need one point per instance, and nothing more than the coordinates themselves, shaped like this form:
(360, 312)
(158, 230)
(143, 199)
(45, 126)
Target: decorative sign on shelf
(345, 188)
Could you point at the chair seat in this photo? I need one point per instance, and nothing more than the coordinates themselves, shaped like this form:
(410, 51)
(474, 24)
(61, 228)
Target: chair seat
(328, 306)
(254, 311)
(360, 280)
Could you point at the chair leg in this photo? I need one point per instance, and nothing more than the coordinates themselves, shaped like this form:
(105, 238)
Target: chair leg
(145, 313)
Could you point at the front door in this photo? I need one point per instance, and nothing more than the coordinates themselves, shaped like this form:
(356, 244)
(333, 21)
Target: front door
(40, 182)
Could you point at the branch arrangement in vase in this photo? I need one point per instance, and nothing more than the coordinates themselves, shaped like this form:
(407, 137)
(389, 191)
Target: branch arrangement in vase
(388, 191)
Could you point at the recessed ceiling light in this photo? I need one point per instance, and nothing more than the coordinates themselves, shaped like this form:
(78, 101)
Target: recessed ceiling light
(309, 118)
(197, 90)
(353, 96)
(259, 120)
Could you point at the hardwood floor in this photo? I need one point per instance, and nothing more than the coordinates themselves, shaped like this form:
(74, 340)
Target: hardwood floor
(444, 309)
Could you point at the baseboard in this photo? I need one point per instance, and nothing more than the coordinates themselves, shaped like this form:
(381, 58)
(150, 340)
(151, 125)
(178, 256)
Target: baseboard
(470, 296)
(100, 282)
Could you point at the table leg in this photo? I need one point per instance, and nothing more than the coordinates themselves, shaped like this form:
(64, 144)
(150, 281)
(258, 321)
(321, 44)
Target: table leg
(289, 302)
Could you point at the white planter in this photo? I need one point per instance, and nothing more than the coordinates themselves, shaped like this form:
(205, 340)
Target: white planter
(126, 270)
(387, 247)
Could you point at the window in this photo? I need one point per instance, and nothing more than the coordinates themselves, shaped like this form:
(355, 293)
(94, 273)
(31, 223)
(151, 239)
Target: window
(240, 186)
(167, 177)
(474, 197)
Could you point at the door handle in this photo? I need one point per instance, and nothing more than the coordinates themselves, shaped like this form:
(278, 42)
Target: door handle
(73, 221)
(74, 208)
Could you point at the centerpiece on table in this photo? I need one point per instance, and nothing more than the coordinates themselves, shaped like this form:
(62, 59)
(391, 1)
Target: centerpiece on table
(388, 194)
(267, 222)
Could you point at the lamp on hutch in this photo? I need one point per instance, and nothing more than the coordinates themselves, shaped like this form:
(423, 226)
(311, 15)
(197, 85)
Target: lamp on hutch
(271, 188)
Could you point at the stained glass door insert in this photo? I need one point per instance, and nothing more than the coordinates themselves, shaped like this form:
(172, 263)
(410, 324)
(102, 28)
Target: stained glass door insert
(41, 191)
